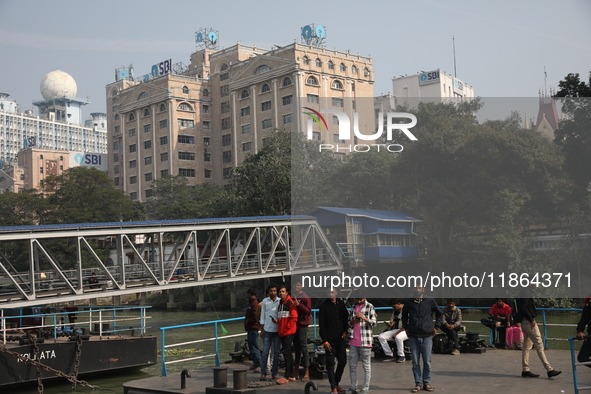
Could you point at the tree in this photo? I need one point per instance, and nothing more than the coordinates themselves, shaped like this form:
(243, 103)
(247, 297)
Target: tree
(22, 209)
(174, 199)
(86, 195)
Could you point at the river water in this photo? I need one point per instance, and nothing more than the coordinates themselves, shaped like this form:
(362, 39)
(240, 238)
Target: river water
(113, 382)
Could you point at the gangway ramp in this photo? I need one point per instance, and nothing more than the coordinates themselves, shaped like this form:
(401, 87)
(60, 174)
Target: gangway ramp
(54, 263)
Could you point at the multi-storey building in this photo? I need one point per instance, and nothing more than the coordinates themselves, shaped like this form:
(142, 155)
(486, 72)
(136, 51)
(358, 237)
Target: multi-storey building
(203, 121)
(58, 129)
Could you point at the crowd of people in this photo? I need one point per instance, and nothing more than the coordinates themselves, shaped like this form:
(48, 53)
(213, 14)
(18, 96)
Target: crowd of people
(282, 322)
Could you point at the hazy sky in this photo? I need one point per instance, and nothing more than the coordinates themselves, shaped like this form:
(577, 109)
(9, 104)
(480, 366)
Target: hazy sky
(502, 46)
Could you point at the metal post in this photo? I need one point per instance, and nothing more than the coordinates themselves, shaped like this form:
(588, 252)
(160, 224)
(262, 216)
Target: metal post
(115, 320)
(163, 330)
(3, 326)
(574, 364)
(545, 329)
(143, 320)
(101, 324)
(217, 352)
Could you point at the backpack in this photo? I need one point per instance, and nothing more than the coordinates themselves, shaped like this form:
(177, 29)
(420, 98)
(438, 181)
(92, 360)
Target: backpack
(514, 338)
(440, 344)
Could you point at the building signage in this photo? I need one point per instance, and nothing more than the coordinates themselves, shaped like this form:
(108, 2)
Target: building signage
(458, 87)
(429, 77)
(97, 160)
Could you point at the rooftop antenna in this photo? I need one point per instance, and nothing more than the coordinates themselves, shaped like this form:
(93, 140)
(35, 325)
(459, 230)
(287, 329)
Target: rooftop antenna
(454, 45)
(545, 78)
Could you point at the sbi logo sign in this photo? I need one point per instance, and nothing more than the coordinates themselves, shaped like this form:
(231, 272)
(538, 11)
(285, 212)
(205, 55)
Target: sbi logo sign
(78, 158)
(88, 159)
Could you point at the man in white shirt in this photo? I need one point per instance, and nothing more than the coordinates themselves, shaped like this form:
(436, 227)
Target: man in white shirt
(269, 334)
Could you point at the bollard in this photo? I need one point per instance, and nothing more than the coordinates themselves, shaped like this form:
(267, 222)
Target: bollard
(240, 379)
(185, 374)
(310, 385)
(220, 377)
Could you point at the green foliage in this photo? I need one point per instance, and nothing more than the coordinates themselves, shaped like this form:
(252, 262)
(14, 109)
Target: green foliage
(21, 209)
(86, 195)
(174, 199)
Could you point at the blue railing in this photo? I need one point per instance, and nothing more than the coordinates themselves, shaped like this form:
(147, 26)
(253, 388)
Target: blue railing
(575, 364)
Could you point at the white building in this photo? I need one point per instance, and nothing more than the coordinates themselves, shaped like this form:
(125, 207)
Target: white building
(58, 126)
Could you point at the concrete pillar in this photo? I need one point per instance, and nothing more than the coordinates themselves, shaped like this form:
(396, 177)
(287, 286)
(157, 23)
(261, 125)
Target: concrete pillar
(143, 299)
(233, 295)
(93, 302)
(171, 304)
(116, 300)
(201, 304)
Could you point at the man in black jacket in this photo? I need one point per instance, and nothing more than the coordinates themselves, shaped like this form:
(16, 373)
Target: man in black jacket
(417, 320)
(334, 323)
(527, 312)
(585, 352)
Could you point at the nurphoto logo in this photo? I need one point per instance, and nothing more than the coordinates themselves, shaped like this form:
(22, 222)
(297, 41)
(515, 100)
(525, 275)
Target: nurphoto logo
(344, 124)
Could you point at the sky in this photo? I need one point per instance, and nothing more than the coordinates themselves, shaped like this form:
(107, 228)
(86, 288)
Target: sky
(502, 47)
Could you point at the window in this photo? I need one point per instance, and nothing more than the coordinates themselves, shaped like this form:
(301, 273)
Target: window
(265, 142)
(185, 107)
(115, 146)
(187, 156)
(164, 140)
(366, 72)
(186, 122)
(287, 119)
(148, 177)
(245, 94)
(164, 156)
(148, 160)
(225, 107)
(227, 156)
(132, 164)
(206, 141)
(226, 172)
(41, 170)
(286, 81)
(207, 174)
(306, 60)
(115, 158)
(205, 109)
(207, 156)
(316, 135)
(116, 169)
(205, 125)
(147, 128)
(330, 65)
(224, 91)
(312, 80)
(185, 90)
(117, 129)
(336, 84)
(133, 196)
(266, 106)
(163, 173)
(246, 146)
(245, 128)
(146, 112)
(262, 69)
(245, 111)
(163, 123)
(116, 181)
(62, 158)
(143, 95)
(354, 69)
(313, 99)
(205, 93)
(148, 144)
(266, 88)
(162, 108)
(267, 124)
(116, 116)
(224, 76)
(226, 139)
(353, 104)
(131, 117)
(287, 100)
(335, 120)
(131, 132)
(187, 172)
(343, 67)
(133, 179)
(224, 67)
(337, 102)
(336, 140)
(226, 124)
(186, 139)
(149, 193)
(318, 62)
(132, 148)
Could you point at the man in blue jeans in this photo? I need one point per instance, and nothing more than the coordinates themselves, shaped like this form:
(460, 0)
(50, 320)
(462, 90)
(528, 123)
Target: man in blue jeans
(269, 333)
(417, 320)
(252, 326)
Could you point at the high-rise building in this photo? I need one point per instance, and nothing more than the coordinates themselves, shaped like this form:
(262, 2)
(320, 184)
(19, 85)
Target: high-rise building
(201, 121)
(29, 142)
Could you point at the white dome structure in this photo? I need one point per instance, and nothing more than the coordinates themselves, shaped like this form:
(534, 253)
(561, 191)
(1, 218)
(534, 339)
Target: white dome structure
(57, 84)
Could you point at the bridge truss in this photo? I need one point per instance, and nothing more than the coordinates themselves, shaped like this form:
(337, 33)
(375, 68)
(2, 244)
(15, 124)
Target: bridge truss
(55, 263)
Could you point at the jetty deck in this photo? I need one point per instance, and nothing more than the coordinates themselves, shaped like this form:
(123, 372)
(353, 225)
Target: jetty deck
(496, 371)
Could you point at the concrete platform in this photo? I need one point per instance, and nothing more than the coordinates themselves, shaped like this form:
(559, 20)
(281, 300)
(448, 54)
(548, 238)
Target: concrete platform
(496, 371)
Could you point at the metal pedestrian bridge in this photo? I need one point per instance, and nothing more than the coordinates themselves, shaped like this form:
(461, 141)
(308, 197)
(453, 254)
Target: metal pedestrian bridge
(62, 263)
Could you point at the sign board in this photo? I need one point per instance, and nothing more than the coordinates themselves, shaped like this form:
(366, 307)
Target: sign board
(97, 160)
(429, 77)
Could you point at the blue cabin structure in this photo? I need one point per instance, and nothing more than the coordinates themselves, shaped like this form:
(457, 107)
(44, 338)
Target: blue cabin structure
(370, 235)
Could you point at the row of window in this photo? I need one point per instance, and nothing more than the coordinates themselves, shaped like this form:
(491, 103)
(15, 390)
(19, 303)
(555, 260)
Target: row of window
(331, 66)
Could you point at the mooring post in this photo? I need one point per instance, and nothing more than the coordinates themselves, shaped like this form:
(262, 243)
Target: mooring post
(220, 377)
(240, 379)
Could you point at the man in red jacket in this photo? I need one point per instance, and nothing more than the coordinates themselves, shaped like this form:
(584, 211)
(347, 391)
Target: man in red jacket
(300, 340)
(287, 317)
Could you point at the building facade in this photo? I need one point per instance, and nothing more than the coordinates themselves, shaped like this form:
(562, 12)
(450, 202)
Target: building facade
(202, 122)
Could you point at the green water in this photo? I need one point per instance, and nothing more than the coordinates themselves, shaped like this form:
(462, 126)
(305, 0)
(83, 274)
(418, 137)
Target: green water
(113, 383)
